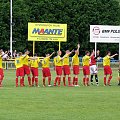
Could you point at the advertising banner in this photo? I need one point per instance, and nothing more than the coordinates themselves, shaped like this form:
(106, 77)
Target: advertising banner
(47, 32)
(104, 34)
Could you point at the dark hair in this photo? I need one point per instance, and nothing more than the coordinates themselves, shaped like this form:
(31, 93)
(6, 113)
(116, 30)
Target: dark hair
(26, 50)
(47, 54)
(35, 54)
(86, 52)
(20, 53)
(108, 52)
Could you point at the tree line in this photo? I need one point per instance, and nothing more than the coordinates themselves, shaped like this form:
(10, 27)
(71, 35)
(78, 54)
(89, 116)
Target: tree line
(77, 14)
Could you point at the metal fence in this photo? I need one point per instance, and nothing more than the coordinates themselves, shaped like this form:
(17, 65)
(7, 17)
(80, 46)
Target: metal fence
(11, 65)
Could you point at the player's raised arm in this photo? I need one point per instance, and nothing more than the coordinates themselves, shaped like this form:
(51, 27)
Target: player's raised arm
(33, 58)
(113, 55)
(93, 53)
(65, 56)
(51, 55)
(71, 52)
(78, 47)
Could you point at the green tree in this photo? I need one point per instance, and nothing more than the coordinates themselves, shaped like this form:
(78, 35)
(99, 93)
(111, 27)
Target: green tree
(78, 14)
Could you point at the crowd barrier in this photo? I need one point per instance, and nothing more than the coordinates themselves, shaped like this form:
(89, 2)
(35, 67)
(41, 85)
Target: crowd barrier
(10, 64)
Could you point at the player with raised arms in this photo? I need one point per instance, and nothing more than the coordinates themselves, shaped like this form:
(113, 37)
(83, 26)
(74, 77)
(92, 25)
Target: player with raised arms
(58, 61)
(26, 67)
(46, 69)
(19, 68)
(66, 68)
(86, 67)
(75, 64)
(107, 68)
(93, 67)
(34, 64)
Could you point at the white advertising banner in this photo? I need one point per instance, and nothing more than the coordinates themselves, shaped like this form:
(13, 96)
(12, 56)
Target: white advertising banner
(104, 34)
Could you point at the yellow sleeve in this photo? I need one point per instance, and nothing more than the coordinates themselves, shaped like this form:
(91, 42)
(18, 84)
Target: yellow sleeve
(38, 60)
(108, 57)
(66, 55)
(28, 57)
(88, 57)
(22, 57)
(42, 61)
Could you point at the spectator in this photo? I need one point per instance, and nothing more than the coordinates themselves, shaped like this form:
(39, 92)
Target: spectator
(9, 54)
(5, 57)
(14, 54)
(2, 51)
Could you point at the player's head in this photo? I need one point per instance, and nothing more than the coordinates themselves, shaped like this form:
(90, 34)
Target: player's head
(76, 52)
(47, 55)
(67, 51)
(98, 52)
(1, 50)
(87, 53)
(35, 55)
(27, 52)
(93, 52)
(20, 54)
(59, 52)
(108, 53)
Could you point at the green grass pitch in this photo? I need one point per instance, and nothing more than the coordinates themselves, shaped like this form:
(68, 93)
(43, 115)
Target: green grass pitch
(59, 103)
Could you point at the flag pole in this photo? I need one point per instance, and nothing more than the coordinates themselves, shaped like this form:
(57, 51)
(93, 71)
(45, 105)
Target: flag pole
(11, 27)
(59, 45)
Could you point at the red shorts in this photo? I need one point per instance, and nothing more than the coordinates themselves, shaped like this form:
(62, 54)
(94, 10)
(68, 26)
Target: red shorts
(26, 69)
(46, 72)
(107, 70)
(76, 69)
(34, 71)
(58, 70)
(20, 72)
(1, 73)
(86, 70)
(66, 70)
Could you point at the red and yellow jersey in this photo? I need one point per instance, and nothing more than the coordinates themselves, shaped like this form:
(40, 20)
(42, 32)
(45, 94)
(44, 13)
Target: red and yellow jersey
(0, 61)
(58, 61)
(26, 60)
(46, 62)
(75, 60)
(66, 59)
(106, 60)
(19, 62)
(34, 63)
(86, 60)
